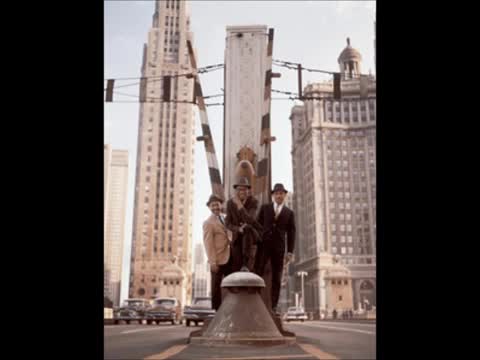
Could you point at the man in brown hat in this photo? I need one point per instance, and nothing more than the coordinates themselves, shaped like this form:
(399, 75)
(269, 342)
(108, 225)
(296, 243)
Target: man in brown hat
(217, 246)
(279, 225)
(246, 231)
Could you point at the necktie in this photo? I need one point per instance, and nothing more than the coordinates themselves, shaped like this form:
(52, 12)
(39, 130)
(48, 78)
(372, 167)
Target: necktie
(221, 219)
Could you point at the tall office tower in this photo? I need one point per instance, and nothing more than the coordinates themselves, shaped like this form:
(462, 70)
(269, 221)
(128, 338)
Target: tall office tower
(162, 229)
(201, 274)
(334, 169)
(115, 205)
(245, 64)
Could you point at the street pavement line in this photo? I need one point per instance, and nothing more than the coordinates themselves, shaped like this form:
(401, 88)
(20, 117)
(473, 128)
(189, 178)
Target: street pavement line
(340, 328)
(339, 323)
(175, 349)
(264, 357)
(144, 329)
(315, 351)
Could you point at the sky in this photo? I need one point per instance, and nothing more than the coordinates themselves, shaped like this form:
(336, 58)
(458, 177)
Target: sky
(312, 33)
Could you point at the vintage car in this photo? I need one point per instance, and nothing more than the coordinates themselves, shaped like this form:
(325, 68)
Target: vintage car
(131, 310)
(295, 313)
(198, 311)
(164, 309)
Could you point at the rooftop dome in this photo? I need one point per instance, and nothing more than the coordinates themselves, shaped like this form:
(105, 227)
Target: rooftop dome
(349, 53)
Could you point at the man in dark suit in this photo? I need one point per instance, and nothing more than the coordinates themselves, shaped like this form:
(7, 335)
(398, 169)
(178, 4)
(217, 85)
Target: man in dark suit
(241, 221)
(279, 225)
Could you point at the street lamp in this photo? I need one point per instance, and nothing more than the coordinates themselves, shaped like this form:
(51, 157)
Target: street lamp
(302, 274)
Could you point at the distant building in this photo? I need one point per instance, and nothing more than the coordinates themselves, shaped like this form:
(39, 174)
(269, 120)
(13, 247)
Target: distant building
(115, 206)
(201, 274)
(334, 173)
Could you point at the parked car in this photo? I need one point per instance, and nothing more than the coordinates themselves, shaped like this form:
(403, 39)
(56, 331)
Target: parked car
(164, 309)
(131, 310)
(295, 313)
(198, 311)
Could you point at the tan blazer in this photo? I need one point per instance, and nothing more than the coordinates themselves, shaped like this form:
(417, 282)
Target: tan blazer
(216, 239)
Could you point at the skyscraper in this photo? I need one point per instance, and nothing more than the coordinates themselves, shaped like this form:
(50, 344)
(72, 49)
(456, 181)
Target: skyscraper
(162, 228)
(334, 169)
(201, 273)
(245, 64)
(115, 205)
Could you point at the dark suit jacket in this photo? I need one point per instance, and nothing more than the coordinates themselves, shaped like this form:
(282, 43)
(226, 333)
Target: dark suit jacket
(246, 215)
(276, 230)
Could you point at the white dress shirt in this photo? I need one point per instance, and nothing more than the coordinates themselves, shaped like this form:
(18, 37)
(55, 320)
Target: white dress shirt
(277, 208)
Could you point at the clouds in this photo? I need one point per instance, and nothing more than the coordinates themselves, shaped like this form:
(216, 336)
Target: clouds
(347, 7)
(371, 5)
(107, 130)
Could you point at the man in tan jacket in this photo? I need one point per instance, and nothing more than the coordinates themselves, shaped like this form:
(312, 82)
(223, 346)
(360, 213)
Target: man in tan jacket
(217, 246)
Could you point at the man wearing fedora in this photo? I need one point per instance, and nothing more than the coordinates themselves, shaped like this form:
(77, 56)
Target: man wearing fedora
(217, 246)
(279, 225)
(241, 220)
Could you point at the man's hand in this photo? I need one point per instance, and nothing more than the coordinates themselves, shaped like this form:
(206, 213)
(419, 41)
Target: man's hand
(214, 268)
(240, 230)
(289, 257)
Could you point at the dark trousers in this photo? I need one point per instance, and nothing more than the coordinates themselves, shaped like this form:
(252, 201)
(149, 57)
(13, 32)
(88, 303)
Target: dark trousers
(243, 252)
(237, 254)
(223, 270)
(265, 252)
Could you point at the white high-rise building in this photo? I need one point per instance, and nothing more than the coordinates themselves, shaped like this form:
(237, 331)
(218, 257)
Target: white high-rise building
(115, 205)
(162, 229)
(334, 167)
(245, 62)
(201, 274)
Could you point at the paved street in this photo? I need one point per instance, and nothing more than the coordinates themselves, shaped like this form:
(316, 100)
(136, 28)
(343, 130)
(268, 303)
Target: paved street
(344, 340)
(315, 340)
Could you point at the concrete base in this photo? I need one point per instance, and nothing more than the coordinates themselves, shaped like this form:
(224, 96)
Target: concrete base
(288, 338)
(209, 341)
(243, 318)
(203, 352)
(278, 321)
(199, 332)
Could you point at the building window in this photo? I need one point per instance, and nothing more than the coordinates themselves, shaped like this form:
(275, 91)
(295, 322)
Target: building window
(339, 297)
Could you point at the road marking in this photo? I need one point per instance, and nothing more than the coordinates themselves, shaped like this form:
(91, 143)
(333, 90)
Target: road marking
(175, 349)
(316, 352)
(273, 357)
(145, 329)
(338, 323)
(341, 328)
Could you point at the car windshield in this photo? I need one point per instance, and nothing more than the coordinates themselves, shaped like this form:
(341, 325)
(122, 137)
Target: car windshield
(295, 310)
(203, 302)
(165, 302)
(133, 303)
